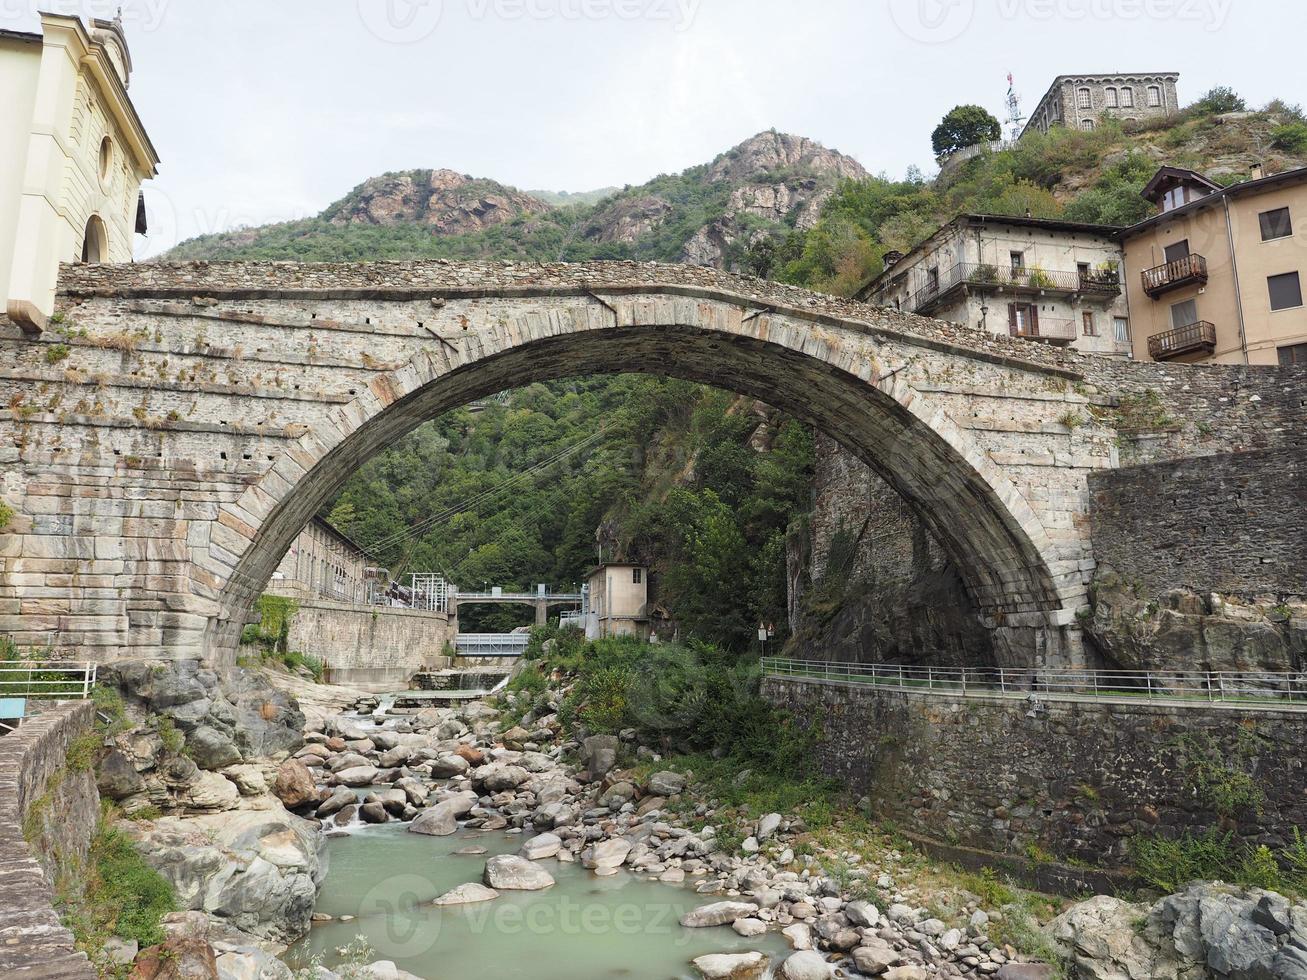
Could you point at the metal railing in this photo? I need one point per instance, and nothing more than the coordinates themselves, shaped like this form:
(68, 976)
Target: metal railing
(1048, 328)
(983, 274)
(1177, 342)
(1173, 275)
(491, 644)
(47, 680)
(1262, 688)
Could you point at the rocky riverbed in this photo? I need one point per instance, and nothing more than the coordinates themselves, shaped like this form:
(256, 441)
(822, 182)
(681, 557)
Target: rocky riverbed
(241, 821)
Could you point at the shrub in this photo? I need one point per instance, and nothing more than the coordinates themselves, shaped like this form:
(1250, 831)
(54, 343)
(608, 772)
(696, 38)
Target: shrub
(56, 353)
(1291, 137)
(965, 125)
(1218, 100)
(6, 515)
(125, 896)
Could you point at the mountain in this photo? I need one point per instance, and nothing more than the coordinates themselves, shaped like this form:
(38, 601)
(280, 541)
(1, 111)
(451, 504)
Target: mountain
(711, 214)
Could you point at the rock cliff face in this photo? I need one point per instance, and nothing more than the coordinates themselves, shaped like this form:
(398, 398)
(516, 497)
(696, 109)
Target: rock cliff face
(447, 202)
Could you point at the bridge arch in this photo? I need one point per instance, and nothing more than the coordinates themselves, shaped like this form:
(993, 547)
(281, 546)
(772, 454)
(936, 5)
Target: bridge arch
(836, 377)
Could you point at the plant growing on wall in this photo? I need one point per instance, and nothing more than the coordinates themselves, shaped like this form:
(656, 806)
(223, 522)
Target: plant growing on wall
(1220, 777)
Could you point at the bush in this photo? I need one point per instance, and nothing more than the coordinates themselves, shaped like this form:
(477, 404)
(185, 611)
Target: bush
(965, 125)
(1291, 137)
(1219, 100)
(125, 896)
(1171, 863)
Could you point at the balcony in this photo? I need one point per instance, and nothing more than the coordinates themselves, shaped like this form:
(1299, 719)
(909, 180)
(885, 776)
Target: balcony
(1188, 271)
(1194, 338)
(1098, 283)
(1048, 330)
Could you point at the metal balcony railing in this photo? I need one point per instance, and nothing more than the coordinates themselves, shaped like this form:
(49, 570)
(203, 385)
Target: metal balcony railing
(1193, 338)
(1048, 328)
(1269, 690)
(1188, 271)
(981, 275)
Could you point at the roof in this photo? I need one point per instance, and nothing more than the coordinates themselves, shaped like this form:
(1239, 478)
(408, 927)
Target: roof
(1244, 189)
(25, 36)
(1046, 224)
(1177, 174)
(336, 532)
(615, 564)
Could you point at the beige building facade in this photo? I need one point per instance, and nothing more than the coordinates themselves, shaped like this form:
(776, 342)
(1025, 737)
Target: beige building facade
(1055, 282)
(1218, 275)
(1085, 102)
(75, 157)
(617, 601)
(323, 564)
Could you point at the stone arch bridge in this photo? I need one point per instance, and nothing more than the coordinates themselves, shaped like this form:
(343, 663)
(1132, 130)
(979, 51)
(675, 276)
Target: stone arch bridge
(165, 439)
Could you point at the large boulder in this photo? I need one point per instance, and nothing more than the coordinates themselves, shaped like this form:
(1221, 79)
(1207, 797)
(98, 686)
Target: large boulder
(717, 914)
(666, 783)
(806, 964)
(606, 854)
(211, 749)
(294, 785)
(541, 846)
(117, 777)
(599, 755)
(177, 959)
(257, 871)
(509, 872)
(467, 894)
(497, 777)
(732, 966)
(357, 776)
(441, 820)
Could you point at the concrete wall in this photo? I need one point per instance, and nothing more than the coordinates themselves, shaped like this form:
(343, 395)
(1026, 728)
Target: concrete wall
(62, 807)
(1076, 780)
(374, 648)
(1234, 524)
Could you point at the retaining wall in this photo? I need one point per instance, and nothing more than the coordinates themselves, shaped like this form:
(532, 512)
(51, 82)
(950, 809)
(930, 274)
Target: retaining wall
(1070, 779)
(61, 807)
(375, 648)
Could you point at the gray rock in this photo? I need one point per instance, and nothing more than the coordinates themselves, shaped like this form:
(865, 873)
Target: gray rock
(211, 749)
(875, 957)
(717, 914)
(509, 872)
(117, 777)
(541, 846)
(497, 777)
(666, 783)
(805, 965)
(768, 825)
(442, 819)
(749, 927)
(448, 766)
(732, 966)
(862, 914)
(606, 854)
(467, 894)
(357, 776)
(599, 755)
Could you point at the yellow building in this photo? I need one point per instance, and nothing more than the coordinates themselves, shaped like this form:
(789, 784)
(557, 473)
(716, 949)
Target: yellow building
(75, 156)
(1218, 274)
(617, 601)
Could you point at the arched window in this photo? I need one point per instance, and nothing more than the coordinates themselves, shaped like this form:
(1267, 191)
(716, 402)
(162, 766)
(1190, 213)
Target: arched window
(1113, 101)
(1087, 125)
(95, 241)
(1128, 97)
(106, 158)
(1085, 99)
(1154, 96)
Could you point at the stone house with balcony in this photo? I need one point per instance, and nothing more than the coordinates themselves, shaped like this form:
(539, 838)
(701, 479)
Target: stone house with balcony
(323, 563)
(1085, 101)
(1217, 275)
(1055, 282)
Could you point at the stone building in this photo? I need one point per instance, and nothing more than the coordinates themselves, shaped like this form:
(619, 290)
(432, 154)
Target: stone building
(1056, 282)
(1084, 101)
(323, 563)
(1217, 275)
(75, 156)
(617, 601)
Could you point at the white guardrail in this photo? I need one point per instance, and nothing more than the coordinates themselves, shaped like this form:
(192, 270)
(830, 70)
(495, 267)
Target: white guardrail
(49, 680)
(491, 644)
(1264, 689)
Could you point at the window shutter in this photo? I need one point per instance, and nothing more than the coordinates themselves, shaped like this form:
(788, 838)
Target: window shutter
(1012, 319)
(1034, 320)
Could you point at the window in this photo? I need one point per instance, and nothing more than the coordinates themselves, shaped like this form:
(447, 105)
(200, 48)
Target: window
(1154, 96)
(637, 575)
(1023, 319)
(1090, 324)
(95, 241)
(1084, 272)
(1276, 224)
(1178, 251)
(1128, 98)
(1286, 291)
(932, 279)
(1084, 99)
(1018, 260)
(1293, 354)
(1184, 314)
(1121, 329)
(1087, 125)
(1113, 101)
(106, 157)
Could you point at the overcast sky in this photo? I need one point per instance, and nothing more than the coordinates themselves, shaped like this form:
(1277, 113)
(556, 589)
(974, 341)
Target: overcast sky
(270, 109)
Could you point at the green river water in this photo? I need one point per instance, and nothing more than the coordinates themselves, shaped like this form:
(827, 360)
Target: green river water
(584, 927)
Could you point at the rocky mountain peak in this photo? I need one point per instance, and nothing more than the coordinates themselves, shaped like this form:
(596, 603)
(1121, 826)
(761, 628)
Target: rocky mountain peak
(448, 202)
(771, 152)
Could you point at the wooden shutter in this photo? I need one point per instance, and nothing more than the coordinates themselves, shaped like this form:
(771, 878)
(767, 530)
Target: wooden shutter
(1012, 319)
(1034, 320)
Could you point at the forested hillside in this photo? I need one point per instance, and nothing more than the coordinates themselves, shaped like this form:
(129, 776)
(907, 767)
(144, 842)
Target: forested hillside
(700, 484)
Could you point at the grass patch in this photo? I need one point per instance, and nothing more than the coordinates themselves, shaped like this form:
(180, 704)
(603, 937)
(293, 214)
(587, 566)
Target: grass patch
(1169, 864)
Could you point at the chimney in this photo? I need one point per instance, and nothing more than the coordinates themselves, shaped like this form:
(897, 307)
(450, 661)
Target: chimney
(892, 258)
(1257, 171)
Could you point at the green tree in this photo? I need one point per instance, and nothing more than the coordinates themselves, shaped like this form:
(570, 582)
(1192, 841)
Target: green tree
(1220, 99)
(964, 125)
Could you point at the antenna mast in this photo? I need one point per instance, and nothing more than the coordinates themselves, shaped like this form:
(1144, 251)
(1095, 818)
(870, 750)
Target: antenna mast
(1014, 116)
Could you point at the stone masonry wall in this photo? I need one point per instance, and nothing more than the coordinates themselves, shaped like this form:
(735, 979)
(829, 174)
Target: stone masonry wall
(1234, 524)
(380, 647)
(39, 793)
(1076, 780)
